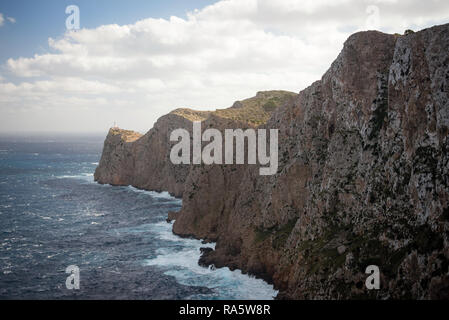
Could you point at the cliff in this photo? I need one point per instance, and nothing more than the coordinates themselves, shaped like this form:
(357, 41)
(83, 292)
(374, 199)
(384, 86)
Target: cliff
(143, 161)
(362, 176)
(363, 179)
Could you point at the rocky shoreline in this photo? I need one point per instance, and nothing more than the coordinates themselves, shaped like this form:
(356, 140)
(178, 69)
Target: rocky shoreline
(362, 178)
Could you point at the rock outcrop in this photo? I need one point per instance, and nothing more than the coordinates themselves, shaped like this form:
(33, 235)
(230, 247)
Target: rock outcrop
(143, 161)
(362, 177)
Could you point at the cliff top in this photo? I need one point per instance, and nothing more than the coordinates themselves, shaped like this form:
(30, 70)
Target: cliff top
(190, 114)
(126, 135)
(256, 110)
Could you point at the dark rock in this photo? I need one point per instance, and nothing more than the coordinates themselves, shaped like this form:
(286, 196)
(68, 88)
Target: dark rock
(172, 215)
(204, 260)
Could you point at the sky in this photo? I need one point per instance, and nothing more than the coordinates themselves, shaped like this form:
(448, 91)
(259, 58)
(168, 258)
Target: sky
(134, 61)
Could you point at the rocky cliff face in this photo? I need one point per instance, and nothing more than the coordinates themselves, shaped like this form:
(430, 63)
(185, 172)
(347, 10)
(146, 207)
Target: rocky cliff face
(363, 179)
(143, 161)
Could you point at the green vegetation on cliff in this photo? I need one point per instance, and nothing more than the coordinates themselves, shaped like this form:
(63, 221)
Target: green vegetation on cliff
(254, 111)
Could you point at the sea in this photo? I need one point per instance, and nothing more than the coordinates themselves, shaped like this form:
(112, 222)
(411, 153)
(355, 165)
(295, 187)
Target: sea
(53, 215)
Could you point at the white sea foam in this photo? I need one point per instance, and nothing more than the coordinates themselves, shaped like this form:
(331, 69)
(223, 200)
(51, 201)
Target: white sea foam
(178, 257)
(181, 261)
(155, 194)
(88, 176)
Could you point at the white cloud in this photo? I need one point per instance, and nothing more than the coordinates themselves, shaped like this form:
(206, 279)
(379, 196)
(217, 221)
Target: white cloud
(221, 53)
(9, 19)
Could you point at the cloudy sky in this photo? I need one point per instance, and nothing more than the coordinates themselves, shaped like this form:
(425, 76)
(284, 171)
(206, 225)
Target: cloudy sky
(133, 61)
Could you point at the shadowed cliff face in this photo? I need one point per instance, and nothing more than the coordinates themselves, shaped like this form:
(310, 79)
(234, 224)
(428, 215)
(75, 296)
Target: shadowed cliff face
(362, 177)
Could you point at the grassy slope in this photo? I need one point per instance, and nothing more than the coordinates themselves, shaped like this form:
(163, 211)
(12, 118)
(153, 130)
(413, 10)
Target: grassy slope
(255, 111)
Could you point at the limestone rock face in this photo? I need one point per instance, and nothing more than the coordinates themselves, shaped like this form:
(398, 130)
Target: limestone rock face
(362, 180)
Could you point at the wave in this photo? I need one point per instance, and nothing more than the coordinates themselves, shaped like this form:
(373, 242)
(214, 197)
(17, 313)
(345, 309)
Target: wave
(157, 195)
(180, 260)
(178, 257)
(88, 176)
